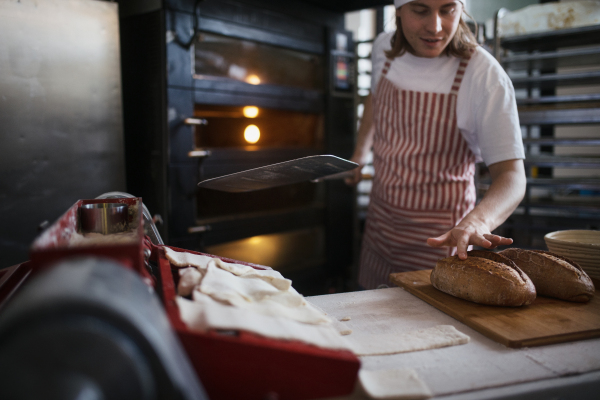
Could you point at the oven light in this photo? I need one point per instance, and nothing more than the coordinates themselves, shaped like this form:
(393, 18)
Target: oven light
(252, 134)
(250, 111)
(253, 79)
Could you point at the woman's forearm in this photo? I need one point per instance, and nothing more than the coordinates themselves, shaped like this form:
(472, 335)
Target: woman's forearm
(504, 194)
(501, 199)
(364, 139)
(364, 142)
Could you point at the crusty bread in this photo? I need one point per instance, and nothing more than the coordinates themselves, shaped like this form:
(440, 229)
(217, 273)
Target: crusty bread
(553, 275)
(485, 278)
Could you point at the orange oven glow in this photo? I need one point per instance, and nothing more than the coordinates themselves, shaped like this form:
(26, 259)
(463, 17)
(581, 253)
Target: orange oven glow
(250, 112)
(252, 134)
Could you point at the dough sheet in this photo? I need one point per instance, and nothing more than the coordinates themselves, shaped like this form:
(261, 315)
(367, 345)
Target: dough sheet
(204, 313)
(238, 297)
(393, 343)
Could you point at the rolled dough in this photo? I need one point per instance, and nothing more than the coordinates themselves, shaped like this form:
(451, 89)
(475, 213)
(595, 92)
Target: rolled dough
(189, 278)
(181, 259)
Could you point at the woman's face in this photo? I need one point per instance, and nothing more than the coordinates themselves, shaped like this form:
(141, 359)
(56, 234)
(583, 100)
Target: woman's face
(429, 25)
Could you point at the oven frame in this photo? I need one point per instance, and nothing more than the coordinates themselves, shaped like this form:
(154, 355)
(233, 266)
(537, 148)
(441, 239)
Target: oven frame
(157, 103)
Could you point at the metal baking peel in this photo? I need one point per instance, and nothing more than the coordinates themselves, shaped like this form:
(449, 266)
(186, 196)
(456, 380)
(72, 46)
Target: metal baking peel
(294, 171)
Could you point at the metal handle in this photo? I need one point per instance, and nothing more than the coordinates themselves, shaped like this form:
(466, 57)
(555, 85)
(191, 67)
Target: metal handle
(195, 121)
(199, 153)
(199, 229)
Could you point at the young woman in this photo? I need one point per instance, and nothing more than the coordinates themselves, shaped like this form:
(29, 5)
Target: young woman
(439, 103)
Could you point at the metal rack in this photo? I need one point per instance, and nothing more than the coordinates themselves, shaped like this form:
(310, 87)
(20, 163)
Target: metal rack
(563, 169)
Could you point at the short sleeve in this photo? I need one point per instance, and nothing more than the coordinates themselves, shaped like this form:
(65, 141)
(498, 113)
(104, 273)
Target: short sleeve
(498, 128)
(494, 132)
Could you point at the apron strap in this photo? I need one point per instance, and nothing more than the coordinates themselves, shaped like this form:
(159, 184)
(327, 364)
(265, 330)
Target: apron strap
(386, 67)
(460, 72)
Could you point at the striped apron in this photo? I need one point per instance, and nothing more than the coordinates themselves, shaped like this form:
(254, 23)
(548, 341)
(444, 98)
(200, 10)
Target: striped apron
(423, 184)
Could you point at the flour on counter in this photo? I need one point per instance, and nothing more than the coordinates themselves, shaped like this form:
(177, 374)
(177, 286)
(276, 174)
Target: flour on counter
(97, 239)
(394, 384)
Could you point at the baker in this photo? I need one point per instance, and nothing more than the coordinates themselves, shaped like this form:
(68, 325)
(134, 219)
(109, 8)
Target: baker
(439, 103)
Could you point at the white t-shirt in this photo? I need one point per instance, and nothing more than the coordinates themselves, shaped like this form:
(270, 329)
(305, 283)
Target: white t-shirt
(486, 108)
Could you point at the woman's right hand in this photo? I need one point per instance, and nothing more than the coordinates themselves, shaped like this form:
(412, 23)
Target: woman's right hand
(355, 175)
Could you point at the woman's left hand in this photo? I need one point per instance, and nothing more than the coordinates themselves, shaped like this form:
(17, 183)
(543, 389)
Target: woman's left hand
(501, 199)
(462, 237)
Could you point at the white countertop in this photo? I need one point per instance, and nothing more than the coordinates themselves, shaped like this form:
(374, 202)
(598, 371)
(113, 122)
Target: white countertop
(475, 367)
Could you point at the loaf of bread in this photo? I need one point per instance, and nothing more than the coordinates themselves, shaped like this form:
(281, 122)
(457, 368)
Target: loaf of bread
(553, 275)
(485, 278)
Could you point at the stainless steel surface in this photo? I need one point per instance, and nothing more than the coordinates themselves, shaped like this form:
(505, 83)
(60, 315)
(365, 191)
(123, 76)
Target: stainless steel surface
(149, 220)
(341, 175)
(571, 98)
(566, 183)
(61, 130)
(551, 40)
(564, 141)
(284, 173)
(565, 161)
(560, 116)
(564, 58)
(551, 80)
(103, 218)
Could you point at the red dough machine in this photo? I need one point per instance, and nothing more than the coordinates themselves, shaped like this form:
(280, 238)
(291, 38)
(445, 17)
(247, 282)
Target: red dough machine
(99, 319)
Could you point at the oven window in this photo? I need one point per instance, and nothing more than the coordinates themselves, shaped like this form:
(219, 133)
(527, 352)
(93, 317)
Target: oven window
(255, 63)
(214, 203)
(257, 127)
(286, 252)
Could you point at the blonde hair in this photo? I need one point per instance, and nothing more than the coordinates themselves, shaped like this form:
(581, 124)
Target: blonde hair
(462, 44)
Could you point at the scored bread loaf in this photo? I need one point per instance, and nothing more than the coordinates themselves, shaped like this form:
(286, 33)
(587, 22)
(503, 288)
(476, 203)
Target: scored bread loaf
(485, 278)
(553, 275)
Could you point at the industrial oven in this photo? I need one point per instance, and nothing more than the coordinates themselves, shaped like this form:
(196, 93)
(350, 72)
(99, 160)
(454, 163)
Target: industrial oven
(199, 79)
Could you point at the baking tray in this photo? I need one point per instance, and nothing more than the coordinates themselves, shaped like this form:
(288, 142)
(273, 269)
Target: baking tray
(261, 367)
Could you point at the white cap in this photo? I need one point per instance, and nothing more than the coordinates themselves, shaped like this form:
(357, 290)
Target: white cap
(400, 3)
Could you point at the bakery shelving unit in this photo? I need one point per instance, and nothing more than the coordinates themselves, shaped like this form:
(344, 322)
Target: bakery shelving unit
(556, 75)
(364, 71)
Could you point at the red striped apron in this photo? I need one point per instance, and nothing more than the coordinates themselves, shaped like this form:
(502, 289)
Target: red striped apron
(423, 183)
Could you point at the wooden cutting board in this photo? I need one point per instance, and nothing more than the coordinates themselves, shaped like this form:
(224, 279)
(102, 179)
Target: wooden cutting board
(546, 321)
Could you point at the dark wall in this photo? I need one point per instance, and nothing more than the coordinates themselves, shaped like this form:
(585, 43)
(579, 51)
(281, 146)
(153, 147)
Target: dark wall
(61, 134)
